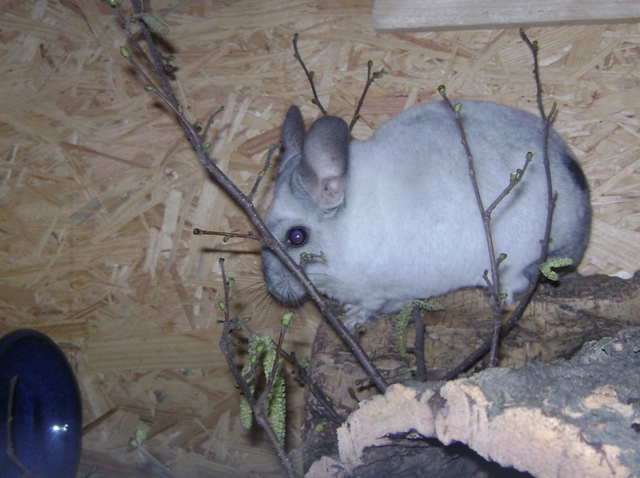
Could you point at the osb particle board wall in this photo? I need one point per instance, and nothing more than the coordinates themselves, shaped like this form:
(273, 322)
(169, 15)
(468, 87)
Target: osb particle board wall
(99, 191)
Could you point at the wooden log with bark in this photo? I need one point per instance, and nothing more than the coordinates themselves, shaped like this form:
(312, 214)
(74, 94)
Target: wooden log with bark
(534, 413)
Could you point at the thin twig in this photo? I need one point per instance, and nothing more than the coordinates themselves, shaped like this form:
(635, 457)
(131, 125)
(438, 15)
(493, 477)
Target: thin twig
(276, 365)
(533, 46)
(270, 242)
(258, 412)
(267, 164)
(204, 232)
(302, 376)
(152, 87)
(156, 66)
(205, 131)
(158, 58)
(512, 184)
(477, 354)
(267, 239)
(370, 79)
(296, 54)
(308, 441)
(482, 350)
(486, 222)
(544, 243)
(418, 346)
(176, 7)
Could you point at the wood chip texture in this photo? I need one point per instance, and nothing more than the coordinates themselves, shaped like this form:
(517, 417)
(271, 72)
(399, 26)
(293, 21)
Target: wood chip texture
(99, 189)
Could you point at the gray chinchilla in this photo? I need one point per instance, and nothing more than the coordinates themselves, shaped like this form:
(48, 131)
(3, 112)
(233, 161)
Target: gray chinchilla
(394, 218)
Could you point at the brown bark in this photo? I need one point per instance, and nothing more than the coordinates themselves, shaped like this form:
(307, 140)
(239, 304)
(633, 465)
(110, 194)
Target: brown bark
(557, 323)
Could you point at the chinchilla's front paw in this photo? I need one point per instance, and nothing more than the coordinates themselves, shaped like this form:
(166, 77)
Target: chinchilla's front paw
(354, 315)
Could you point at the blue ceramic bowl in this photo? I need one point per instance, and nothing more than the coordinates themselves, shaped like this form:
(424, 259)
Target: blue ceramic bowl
(47, 412)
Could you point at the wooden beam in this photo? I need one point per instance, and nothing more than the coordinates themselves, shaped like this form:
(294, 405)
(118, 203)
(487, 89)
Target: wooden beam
(429, 15)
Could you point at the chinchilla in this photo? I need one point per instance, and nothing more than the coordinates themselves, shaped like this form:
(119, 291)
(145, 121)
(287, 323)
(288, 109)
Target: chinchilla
(394, 218)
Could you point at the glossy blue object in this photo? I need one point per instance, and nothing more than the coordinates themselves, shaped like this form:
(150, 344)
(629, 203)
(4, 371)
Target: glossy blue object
(47, 411)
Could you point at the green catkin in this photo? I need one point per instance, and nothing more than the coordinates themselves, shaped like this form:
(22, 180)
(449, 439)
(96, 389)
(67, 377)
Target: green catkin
(154, 23)
(262, 349)
(546, 268)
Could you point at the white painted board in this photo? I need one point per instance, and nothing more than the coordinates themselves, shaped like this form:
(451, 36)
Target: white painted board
(426, 15)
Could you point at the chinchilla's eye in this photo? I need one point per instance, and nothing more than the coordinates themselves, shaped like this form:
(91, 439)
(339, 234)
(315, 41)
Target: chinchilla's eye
(297, 236)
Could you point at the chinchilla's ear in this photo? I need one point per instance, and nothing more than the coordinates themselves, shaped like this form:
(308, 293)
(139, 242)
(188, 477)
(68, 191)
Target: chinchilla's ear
(292, 135)
(324, 162)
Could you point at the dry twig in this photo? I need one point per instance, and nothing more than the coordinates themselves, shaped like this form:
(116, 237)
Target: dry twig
(501, 330)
